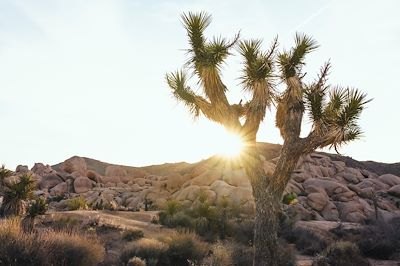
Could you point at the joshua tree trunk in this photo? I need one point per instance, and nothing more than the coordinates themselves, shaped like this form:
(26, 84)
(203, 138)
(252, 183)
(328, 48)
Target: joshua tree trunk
(265, 228)
(268, 188)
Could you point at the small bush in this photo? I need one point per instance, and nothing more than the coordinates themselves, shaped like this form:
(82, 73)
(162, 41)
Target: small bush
(289, 198)
(150, 250)
(172, 207)
(131, 235)
(380, 240)
(135, 261)
(221, 255)
(243, 231)
(78, 203)
(307, 242)
(73, 249)
(184, 247)
(242, 255)
(66, 224)
(341, 253)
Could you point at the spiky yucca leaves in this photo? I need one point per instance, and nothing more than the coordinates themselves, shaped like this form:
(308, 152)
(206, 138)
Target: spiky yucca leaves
(37, 207)
(15, 196)
(4, 172)
(177, 81)
(205, 60)
(291, 62)
(258, 79)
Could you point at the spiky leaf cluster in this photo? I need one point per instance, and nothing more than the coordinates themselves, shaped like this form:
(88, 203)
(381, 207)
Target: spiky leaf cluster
(291, 62)
(22, 190)
(37, 207)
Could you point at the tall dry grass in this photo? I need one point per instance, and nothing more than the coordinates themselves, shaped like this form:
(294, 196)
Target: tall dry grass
(46, 247)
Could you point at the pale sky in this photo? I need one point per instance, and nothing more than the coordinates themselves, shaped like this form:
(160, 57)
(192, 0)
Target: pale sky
(82, 77)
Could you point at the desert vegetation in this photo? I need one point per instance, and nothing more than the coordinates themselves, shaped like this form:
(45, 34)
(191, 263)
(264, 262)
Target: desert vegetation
(48, 247)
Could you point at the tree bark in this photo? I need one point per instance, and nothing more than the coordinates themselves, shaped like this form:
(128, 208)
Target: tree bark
(267, 207)
(265, 228)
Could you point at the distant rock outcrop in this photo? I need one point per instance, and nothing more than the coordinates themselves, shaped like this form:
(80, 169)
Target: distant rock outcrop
(328, 187)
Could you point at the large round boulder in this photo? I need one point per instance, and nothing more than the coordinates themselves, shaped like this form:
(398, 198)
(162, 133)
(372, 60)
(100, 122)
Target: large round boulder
(50, 181)
(82, 184)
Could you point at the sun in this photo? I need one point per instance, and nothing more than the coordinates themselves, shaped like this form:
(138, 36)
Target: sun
(231, 145)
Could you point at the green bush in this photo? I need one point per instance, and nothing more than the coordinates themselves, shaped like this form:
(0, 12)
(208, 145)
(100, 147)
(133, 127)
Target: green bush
(150, 250)
(289, 198)
(341, 253)
(46, 247)
(131, 235)
(78, 203)
(185, 247)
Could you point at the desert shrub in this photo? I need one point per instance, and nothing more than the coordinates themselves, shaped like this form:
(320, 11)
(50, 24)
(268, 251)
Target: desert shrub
(150, 250)
(18, 248)
(243, 231)
(381, 240)
(135, 261)
(342, 253)
(46, 248)
(289, 198)
(307, 242)
(220, 255)
(286, 254)
(185, 247)
(242, 255)
(287, 221)
(133, 234)
(172, 207)
(73, 249)
(78, 203)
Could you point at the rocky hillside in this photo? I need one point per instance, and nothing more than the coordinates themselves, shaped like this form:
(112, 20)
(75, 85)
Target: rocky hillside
(327, 187)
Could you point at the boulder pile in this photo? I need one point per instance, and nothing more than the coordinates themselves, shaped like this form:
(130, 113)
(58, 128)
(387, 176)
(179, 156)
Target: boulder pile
(325, 189)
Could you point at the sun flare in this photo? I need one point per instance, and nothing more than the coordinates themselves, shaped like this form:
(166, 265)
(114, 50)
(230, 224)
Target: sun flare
(230, 146)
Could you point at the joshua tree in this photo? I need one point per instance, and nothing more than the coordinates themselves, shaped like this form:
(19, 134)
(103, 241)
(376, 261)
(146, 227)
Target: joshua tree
(334, 112)
(37, 207)
(4, 172)
(15, 196)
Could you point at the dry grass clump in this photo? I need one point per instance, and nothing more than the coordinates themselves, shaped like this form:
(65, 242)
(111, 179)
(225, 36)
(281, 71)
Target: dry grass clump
(185, 247)
(78, 203)
(341, 253)
(150, 250)
(176, 249)
(220, 255)
(135, 261)
(46, 248)
(133, 234)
